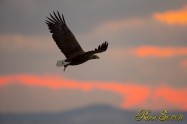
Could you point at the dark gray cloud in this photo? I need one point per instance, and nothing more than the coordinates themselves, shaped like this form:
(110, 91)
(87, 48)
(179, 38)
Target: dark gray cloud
(26, 47)
(27, 17)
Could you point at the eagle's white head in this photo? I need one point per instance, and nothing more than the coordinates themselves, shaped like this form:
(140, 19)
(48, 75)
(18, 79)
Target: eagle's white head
(62, 63)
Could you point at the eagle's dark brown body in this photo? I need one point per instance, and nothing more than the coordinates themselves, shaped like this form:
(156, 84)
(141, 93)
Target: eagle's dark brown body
(68, 44)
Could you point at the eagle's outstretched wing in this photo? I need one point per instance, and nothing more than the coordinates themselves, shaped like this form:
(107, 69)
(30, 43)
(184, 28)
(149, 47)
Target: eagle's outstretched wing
(100, 49)
(63, 37)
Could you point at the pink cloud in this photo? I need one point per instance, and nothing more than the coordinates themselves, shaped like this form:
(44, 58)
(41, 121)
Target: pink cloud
(116, 26)
(132, 94)
(16, 41)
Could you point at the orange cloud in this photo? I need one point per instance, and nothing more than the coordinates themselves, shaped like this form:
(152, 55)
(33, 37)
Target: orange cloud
(173, 17)
(172, 95)
(155, 51)
(124, 90)
(132, 94)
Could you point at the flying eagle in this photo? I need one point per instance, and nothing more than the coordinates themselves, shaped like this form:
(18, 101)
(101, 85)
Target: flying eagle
(68, 44)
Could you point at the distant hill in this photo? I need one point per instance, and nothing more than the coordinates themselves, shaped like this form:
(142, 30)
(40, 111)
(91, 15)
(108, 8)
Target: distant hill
(96, 114)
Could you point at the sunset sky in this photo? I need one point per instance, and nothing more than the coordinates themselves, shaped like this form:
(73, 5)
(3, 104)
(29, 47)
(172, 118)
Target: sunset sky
(145, 65)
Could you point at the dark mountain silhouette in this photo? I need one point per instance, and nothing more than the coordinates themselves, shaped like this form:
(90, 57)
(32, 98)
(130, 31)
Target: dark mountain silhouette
(96, 114)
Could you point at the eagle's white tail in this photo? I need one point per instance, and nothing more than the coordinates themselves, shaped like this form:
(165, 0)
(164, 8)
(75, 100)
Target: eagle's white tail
(61, 63)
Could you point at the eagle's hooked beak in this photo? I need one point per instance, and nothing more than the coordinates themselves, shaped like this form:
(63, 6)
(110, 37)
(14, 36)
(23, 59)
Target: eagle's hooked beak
(94, 57)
